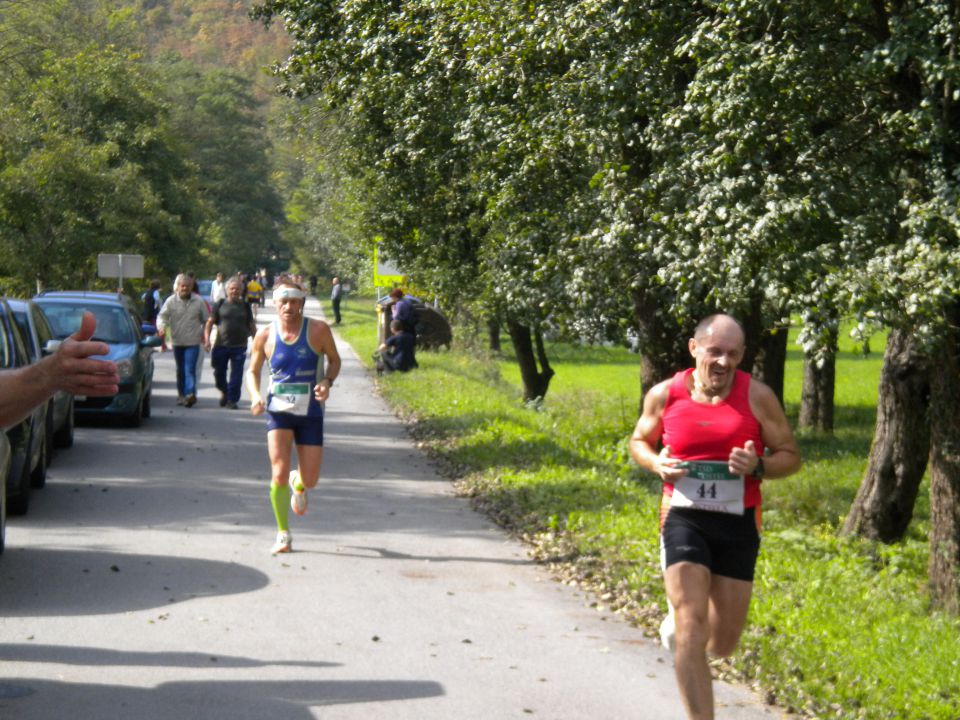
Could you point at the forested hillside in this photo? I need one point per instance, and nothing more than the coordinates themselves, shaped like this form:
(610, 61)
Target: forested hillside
(135, 127)
(215, 34)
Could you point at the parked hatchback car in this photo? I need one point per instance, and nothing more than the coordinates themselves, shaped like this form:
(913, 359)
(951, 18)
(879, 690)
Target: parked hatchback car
(40, 341)
(27, 438)
(120, 326)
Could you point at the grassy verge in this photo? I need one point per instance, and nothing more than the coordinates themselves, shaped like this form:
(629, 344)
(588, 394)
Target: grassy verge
(838, 628)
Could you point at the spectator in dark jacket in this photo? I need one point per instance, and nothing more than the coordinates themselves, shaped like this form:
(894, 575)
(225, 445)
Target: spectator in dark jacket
(397, 353)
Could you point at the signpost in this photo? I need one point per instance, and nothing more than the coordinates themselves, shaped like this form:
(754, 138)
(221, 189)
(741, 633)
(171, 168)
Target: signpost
(384, 274)
(119, 266)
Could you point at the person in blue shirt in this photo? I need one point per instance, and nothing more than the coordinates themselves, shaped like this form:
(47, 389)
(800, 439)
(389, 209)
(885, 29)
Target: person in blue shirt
(403, 310)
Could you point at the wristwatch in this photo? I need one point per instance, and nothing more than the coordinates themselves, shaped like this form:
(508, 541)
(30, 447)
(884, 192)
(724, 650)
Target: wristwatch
(759, 469)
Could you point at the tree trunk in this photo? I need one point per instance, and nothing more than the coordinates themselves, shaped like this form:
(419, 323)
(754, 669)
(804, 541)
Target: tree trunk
(662, 342)
(753, 330)
(944, 567)
(770, 360)
(493, 328)
(819, 382)
(884, 504)
(536, 379)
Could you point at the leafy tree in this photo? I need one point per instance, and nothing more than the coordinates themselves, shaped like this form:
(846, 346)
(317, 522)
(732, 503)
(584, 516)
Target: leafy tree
(88, 168)
(217, 122)
(327, 204)
(602, 165)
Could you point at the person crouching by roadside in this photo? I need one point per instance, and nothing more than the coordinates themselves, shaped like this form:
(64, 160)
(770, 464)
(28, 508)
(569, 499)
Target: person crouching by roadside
(398, 353)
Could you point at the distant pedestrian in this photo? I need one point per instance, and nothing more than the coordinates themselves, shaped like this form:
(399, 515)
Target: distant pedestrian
(296, 349)
(336, 294)
(218, 289)
(262, 279)
(151, 302)
(254, 293)
(235, 326)
(184, 314)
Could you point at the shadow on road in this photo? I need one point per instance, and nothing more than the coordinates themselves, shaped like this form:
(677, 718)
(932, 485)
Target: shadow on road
(376, 553)
(87, 656)
(210, 700)
(43, 581)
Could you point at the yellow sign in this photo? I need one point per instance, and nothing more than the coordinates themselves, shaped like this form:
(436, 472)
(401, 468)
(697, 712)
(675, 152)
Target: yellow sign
(385, 274)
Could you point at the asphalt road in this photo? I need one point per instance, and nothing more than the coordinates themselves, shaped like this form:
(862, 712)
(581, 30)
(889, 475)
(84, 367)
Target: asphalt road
(141, 587)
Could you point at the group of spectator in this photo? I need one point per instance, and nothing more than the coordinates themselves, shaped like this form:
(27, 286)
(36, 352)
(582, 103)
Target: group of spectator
(221, 326)
(397, 353)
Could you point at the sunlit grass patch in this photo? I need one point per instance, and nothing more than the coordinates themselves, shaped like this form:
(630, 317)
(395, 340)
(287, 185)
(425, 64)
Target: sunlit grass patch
(843, 626)
(839, 627)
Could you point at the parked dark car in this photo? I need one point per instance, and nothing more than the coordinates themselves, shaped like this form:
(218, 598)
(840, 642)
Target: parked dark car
(4, 469)
(28, 438)
(41, 341)
(120, 326)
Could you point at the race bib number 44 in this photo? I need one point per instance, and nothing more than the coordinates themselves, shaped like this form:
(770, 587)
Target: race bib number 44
(709, 485)
(293, 398)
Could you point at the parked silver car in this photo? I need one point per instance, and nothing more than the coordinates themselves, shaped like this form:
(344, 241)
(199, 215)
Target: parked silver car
(118, 325)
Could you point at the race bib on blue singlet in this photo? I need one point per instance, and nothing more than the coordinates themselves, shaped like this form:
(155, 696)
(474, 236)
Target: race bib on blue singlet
(293, 398)
(709, 485)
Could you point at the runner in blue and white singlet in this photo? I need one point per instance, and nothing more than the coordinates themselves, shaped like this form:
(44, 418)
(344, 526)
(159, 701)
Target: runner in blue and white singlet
(303, 362)
(295, 367)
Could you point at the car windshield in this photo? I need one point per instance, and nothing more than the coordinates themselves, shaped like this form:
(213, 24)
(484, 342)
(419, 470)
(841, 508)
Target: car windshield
(113, 323)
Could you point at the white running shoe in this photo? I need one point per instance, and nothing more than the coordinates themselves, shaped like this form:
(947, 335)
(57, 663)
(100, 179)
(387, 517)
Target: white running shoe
(668, 630)
(284, 543)
(298, 494)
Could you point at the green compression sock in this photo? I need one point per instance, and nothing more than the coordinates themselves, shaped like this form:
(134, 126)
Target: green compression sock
(280, 500)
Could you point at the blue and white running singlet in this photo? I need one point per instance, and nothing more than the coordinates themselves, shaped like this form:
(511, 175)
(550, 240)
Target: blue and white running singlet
(294, 369)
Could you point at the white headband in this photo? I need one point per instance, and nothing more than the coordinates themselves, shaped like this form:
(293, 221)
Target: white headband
(286, 292)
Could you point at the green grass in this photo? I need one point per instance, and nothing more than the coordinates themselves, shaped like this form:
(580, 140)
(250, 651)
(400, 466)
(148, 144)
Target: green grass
(839, 627)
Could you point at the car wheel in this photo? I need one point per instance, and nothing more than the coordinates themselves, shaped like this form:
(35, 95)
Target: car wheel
(134, 419)
(20, 503)
(146, 406)
(64, 436)
(38, 477)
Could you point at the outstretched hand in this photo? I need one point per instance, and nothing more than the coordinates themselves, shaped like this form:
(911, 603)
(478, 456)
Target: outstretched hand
(72, 368)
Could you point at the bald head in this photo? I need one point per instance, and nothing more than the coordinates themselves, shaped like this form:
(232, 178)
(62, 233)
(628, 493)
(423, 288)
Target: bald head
(719, 325)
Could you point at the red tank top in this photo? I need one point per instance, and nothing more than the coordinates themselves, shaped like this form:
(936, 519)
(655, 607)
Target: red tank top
(697, 431)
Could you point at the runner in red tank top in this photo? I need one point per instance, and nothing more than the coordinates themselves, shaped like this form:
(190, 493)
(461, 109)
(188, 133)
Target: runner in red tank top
(712, 434)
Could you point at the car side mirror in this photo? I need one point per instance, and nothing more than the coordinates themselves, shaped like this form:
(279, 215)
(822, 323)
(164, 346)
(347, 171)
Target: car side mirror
(152, 341)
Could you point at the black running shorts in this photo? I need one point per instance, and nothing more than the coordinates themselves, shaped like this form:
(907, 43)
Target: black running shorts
(726, 544)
